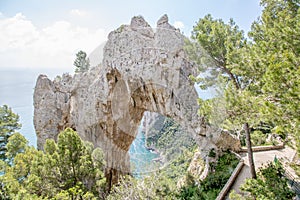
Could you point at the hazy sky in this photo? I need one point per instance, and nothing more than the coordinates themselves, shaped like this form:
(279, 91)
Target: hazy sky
(48, 33)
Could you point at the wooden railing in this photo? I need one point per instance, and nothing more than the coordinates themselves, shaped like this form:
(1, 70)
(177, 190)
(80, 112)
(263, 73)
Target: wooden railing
(263, 148)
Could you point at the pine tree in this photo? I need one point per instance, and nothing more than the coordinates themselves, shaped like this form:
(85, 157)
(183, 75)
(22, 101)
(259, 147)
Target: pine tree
(9, 123)
(276, 38)
(68, 169)
(225, 47)
(82, 63)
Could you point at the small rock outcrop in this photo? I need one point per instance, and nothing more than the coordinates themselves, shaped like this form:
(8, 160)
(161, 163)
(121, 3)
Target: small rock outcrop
(142, 70)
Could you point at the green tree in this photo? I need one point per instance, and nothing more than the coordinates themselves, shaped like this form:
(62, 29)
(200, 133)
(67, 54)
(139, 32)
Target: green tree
(9, 123)
(264, 87)
(225, 48)
(276, 42)
(270, 184)
(272, 60)
(82, 63)
(17, 143)
(220, 43)
(154, 187)
(68, 169)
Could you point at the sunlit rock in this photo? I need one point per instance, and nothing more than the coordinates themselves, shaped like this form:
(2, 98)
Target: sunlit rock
(142, 70)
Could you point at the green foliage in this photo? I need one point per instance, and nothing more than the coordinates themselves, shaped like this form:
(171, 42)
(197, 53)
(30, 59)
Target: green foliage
(212, 153)
(17, 143)
(210, 187)
(169, 139)
(270, 184)
(276, 39)
(241, 107)
(221, 43)
(81, 62)
(258, 138)
(229, 72)
(213, 110)
(9, 123)
(260, 77)
(68, 169)
(258, 83)
(154, 187)
(177, 167)
(159, 185)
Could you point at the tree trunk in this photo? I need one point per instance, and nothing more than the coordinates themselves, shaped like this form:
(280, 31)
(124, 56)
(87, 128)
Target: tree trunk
(234, 79)
(249, 151)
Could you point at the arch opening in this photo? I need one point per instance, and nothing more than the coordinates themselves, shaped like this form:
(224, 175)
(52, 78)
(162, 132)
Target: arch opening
(160, 140)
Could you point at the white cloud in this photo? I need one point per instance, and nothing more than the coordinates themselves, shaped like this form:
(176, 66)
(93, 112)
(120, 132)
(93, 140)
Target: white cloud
(78, 13)
(178, 24)
(25, 45)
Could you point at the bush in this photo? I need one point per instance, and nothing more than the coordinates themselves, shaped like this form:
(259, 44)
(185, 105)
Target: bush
(270, 184)
(258, 138)
(211, 186)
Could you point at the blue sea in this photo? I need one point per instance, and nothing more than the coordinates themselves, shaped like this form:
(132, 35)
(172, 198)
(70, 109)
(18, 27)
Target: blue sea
(141, 159)
(16, 91)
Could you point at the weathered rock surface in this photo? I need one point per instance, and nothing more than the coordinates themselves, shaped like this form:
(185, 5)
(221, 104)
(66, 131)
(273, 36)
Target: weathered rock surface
(142, 70)
(227, 141)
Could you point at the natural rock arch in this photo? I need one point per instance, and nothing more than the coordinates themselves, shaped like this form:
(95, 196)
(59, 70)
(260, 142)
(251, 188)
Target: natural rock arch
(142, 70)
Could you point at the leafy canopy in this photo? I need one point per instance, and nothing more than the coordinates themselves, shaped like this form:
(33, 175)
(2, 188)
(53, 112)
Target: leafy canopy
(276, 39)
(220, 43)
(68, 169)
(9, 123)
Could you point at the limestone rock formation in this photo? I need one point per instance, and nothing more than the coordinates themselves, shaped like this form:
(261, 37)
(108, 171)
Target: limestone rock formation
(142, 70)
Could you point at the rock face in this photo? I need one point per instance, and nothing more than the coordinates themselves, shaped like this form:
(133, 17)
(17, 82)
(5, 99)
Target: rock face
(142, 70)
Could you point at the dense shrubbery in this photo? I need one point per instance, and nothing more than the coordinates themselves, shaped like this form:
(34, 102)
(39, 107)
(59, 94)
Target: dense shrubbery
(271, 183)
(210, 187)
(68, 169)
(9, 123)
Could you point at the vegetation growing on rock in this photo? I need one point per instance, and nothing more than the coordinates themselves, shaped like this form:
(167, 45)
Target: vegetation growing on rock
(81, 62)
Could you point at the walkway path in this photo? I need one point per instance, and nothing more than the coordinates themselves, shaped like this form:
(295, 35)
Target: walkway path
(260, 159)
